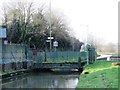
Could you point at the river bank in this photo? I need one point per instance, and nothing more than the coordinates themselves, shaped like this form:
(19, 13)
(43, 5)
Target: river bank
(100, 74)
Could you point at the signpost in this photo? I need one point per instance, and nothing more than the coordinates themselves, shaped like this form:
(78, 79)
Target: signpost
(47, 40)
(5, 42)
(55, 44)
(50, 37)
(3, 33)
(3, 36)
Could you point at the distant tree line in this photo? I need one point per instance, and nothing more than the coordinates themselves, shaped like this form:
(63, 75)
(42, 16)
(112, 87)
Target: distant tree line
(28, 25)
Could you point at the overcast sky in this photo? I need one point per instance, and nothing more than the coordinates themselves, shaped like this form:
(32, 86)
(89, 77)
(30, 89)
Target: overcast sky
(101, 16)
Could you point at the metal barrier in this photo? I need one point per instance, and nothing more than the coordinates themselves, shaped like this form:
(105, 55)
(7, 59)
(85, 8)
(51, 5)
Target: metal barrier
(16, 57)
(12, 53)
(58, 56)
(13, 57)
(16, 53)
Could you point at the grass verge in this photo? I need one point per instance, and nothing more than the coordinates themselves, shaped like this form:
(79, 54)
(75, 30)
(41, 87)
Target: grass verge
(101, 75)
(116, 55)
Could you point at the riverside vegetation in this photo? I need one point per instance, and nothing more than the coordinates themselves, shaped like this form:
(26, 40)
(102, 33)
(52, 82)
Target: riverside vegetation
(100, 74)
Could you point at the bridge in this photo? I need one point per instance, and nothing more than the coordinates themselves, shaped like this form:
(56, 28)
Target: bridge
(62, 60)
(65, 65)
(14, 60)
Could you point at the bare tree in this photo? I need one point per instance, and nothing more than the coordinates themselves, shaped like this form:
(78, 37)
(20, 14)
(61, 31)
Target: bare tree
(30, 25)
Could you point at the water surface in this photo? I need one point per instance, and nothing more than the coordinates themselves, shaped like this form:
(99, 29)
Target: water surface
(44, 80)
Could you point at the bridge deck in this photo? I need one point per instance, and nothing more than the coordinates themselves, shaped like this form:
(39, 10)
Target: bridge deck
(65, 65)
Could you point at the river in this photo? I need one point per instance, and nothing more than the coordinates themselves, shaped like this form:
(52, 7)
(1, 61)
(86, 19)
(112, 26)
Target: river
(44, 80)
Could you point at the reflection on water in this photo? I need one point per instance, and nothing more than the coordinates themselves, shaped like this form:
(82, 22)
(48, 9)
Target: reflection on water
(44, 80)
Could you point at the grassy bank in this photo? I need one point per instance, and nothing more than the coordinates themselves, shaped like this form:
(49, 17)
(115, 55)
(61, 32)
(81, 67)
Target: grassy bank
(6, 75)
(101, 75)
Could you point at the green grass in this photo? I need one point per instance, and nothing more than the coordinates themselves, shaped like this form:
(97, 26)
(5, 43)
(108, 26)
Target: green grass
(61, 60)
(101, 75)
(115, 54)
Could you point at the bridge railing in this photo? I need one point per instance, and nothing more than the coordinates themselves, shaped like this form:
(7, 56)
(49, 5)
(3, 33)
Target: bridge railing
(62, 56)
(56, 57)
(13, 57)
(16, 53)
(83, 56)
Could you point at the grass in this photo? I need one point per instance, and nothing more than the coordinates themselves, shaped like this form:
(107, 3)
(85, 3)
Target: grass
(110, 54)
(101, 75)
(115, 54)
(61, 60)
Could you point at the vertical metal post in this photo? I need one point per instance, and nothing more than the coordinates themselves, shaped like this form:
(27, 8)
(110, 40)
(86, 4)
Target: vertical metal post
(87, 54)
(3, 51)
(45, 55)
(95, 54)
(50, 24)
(55, 49)
(79, 62)
(86, 42)
(86, 45)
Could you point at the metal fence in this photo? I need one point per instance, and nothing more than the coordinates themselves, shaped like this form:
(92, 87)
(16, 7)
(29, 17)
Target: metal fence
(16, 57)
(63, 54)
(16, 53)
(13, 57)
(12, 53)
(58, 56)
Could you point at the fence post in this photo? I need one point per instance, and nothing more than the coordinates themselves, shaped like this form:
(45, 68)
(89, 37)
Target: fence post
(45, 55)
(3, 52)
(79, 64)
(95, 54)
(87, 53)
(26, 52)
(79, 61)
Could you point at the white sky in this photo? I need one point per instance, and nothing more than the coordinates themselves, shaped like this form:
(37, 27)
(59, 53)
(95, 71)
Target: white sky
(101, 16)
